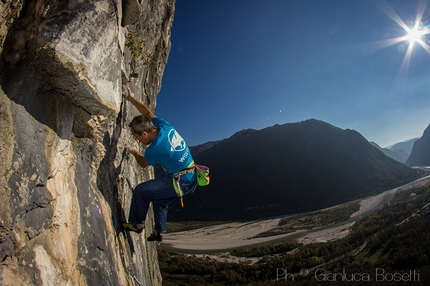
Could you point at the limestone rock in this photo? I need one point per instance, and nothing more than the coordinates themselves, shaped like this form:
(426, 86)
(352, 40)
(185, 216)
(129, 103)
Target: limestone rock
(66, 181)
(9, 11)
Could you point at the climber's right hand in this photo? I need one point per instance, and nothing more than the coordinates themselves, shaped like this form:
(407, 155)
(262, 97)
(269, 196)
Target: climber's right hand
(132, 150)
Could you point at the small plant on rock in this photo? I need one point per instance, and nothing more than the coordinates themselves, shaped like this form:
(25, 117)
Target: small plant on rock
(136, 48)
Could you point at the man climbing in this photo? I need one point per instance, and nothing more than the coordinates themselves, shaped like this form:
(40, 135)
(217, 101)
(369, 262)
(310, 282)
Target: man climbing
(165, 146)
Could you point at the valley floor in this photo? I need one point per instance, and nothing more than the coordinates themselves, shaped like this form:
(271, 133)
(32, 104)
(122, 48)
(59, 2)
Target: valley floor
(228, 236)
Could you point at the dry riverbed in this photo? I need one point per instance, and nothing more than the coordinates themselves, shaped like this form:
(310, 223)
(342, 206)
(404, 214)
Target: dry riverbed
(224, 237)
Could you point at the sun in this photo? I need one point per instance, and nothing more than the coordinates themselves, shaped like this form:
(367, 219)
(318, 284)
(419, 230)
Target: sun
(416, 32)
(416, 35)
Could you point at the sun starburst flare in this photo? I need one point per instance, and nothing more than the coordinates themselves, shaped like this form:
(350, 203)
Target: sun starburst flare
(415, 34)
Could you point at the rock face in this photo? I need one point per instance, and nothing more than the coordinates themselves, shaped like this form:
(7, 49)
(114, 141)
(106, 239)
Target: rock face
(66, 182)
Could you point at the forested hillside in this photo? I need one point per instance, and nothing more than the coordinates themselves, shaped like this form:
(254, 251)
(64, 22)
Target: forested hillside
(390, 246)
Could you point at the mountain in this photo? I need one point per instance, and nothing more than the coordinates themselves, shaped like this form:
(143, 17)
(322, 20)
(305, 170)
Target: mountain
(290, 168)
(420, 155)
(403, 149)
(393, 155)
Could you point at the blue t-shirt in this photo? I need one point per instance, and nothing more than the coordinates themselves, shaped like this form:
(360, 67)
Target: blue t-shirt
(169, 149)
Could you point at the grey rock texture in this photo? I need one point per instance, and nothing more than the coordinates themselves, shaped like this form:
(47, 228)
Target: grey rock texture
(9, 11)
(66, 181)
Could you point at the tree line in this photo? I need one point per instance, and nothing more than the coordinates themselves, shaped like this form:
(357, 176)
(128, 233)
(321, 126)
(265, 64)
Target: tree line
(396, 240)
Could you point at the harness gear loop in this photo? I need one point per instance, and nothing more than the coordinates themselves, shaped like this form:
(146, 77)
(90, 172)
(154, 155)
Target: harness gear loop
(176, 178)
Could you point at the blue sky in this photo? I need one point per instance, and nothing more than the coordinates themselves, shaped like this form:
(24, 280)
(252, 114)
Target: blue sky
(256, 63)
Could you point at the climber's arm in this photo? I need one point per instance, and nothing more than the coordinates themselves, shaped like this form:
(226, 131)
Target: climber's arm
(140, 106)
(139, 158)
(141, 161)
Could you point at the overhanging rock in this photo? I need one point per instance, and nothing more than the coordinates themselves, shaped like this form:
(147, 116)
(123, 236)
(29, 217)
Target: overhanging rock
(66, 181)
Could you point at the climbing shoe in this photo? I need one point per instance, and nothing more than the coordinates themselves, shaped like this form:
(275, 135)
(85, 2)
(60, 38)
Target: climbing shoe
(155, 237)
(138, 228)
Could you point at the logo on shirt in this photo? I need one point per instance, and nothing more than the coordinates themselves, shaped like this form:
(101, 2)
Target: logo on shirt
(176, 141)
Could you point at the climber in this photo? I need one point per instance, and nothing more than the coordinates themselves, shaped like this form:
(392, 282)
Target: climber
(165, 146)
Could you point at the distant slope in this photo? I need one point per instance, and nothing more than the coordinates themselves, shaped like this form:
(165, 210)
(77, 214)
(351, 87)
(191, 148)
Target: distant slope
(420, 155)
(391, 154)
(405, 145)
(403, 149)
(289, 168)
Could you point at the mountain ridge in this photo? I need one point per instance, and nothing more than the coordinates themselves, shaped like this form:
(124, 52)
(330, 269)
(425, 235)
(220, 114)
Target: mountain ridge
(420, 155)
(289, 168)
(396, 155)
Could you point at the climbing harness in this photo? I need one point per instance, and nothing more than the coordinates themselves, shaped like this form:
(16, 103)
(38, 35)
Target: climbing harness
(202, 178)
(176, 178)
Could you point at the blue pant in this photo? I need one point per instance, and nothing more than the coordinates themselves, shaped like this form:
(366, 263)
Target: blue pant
(161, 193)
